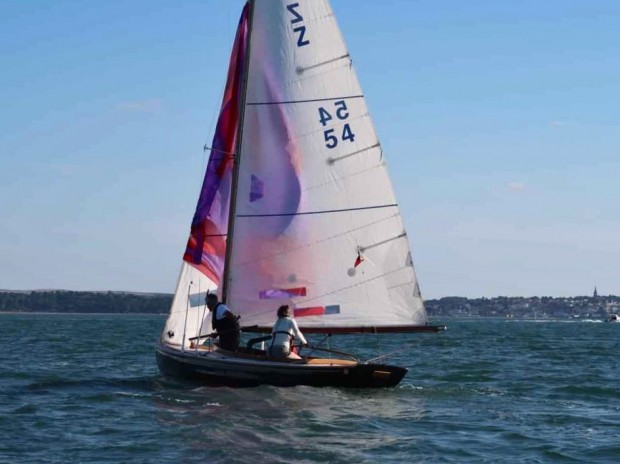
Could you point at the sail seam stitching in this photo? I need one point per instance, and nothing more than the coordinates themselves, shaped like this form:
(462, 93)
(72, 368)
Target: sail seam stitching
(286, 102)
(327, 211)
(323, 240)
(357, 284)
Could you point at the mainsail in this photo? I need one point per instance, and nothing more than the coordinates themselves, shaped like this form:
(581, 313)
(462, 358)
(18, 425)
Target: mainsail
(316, 224)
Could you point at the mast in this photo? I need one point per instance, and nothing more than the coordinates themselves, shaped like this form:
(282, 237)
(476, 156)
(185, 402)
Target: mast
(237, 160)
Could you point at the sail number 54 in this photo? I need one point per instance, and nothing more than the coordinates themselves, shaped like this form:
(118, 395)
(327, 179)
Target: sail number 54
(342, 113)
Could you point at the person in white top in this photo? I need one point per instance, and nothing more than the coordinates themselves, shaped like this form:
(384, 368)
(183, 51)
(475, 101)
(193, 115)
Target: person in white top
(284, 331)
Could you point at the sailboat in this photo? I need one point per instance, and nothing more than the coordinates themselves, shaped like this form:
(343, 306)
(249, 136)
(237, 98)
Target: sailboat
(296, 208)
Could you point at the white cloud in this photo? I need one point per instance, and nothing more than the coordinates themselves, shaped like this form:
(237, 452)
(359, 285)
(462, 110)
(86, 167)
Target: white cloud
(515, 186)
(146, 106)
(558, 123)
(564, 123)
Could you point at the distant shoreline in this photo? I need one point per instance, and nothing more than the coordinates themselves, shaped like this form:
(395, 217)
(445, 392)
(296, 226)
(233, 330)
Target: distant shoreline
(83, 314)
(521, 308)
(446, 317)
(62, 301)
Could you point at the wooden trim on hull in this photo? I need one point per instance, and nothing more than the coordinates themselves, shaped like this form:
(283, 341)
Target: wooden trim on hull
(222, 371)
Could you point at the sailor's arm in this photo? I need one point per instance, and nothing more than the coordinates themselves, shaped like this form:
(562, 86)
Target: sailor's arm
(298, 333)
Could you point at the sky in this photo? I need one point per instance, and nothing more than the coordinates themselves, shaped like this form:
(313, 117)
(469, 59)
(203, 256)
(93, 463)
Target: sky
(499, 120)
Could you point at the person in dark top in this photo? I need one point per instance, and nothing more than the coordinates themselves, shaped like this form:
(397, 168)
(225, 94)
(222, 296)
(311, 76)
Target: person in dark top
(224, 322)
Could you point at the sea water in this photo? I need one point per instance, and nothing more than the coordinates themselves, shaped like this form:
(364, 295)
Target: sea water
(86, 389)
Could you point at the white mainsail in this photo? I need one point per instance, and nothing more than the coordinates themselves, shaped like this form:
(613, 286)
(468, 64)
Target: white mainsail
(316, 221)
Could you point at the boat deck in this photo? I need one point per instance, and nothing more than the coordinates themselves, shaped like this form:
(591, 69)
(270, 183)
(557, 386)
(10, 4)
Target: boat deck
(330, 362)
(261, 355)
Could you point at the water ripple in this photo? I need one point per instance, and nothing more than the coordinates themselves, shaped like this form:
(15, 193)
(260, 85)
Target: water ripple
(485, 391)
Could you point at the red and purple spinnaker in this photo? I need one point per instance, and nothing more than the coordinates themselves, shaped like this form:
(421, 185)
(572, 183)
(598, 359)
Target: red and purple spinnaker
(206, 247)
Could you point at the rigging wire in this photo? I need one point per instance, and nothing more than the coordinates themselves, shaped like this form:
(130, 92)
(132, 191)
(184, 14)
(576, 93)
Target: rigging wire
(391, 353)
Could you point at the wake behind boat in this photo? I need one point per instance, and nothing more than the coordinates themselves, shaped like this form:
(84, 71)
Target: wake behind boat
(296, 208)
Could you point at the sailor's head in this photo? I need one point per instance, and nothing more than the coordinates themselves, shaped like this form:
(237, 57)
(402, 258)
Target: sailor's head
(212, 301)
(283, 311)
